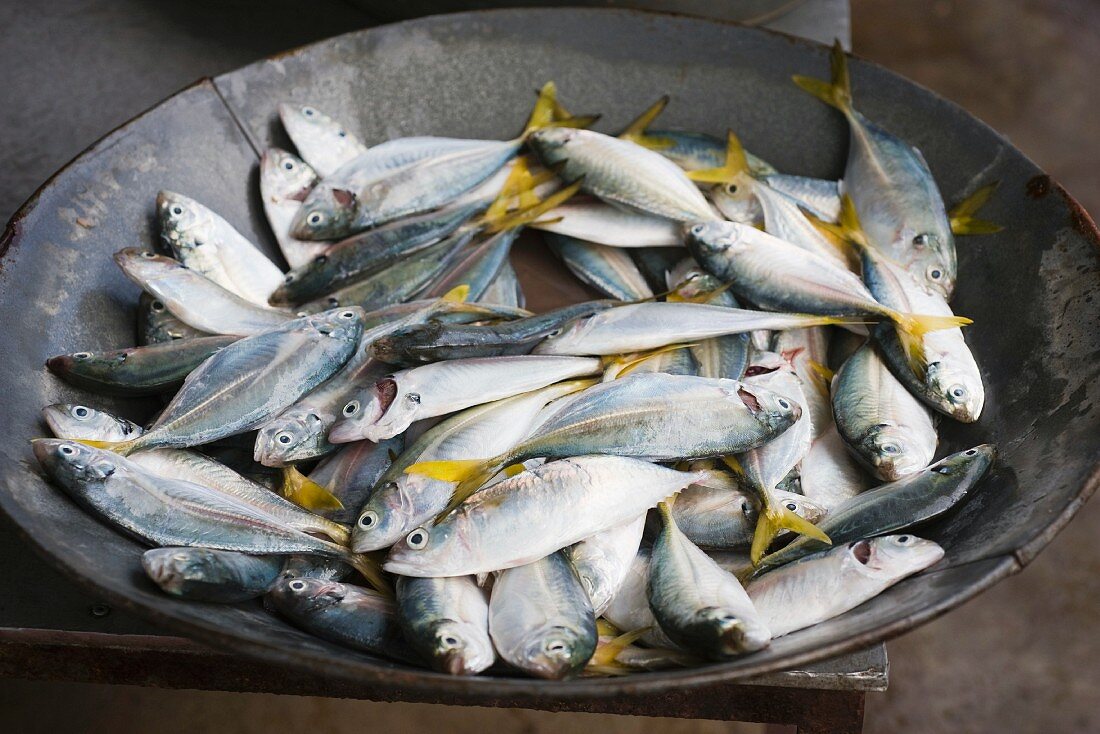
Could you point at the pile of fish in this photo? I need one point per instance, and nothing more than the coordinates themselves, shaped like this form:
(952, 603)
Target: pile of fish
(396, 456)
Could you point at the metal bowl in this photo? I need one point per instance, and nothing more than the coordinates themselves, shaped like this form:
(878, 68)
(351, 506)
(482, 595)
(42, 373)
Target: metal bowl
(1032, 289)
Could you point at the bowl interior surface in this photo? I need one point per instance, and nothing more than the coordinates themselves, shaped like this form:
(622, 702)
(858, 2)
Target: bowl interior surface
(1030, 289)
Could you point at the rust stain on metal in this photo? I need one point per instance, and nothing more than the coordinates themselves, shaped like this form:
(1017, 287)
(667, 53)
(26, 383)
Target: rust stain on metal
(1039, 186)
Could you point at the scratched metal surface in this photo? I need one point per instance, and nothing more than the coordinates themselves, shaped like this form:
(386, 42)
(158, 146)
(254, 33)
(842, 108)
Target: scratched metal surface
(1028, 288)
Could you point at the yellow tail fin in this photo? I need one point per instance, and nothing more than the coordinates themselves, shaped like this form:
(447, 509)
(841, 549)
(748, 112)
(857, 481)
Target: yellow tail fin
(635, 131)
(514, 469)
(824, 376)
(911, 329)
(606, 652)
(452, 470)
(962, 215)
(735, 166)
(370, 567)
(838, 92)
(304, 492)
(622, 365)
(458, 294)
(775, 517)
(548, 112)
(524, 217)
(123, 448)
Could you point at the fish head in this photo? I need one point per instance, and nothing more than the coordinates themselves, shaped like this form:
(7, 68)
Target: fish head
(688, 280)
(384, 519)
(172, 568)
(295, 435)
(568, 339)
(423, 548)
(71, 463)
(551, 143)
(69, 420)
(735, 200)
(394, 348)
(932, 259)
(343, 324)
(461, 648)
(143, 265)
(182, 220)
(774, 411)
(363, 411)
(734, 634)
(964, 468)
(714, 242)
(555, 652)
(305, 595)
(892, 452)
(893, 556)
(327, 213)
(804, 507)
(960, 391)
(284, 176)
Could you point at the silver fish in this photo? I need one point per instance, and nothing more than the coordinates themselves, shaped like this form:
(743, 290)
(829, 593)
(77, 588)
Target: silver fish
(79, 422)
(820, 197)
(888, 430)
(444, 387)
(203, 241)
(826, 585)
(505, 290)
(401, 501)
(698, 605)
(724, 518)
(285, 179)
(352, 472)
(607, 269)
(629, 608)
(592, 220)
(622, 172)
(322, 141)
(194, 299)
(203, 574)
(551, 506)
(900, 208)
(636, 327)
(277, 368)
(720, 356)
(541, 620)
(602, 560)
(447, 621)
(783, 219)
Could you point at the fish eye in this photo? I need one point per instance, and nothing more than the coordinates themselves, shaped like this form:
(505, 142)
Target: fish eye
(284, 438)
(180, 557)
(921, 240)
(320, 260)
(341, 134)
(417, 539)
(81, 412)
(368, 519)
(905, 539)
(792, 506)
(746, 507)
(288, 165)
(935, 273)
(698, 229)
(971, 452)
(82, 355)
(351, 408)
(958, 392)
(177, 210)
(555, 646)
(309, 111)
(731, 188)
(450, 640)
(891, 448)
(413, 398)
(333, 301)
(347, 315)
(157, 306)
(784, 404)
(289, 278)
(297, 585)
(314, 218)
(67, 450)
(148, 255)
(942, 470)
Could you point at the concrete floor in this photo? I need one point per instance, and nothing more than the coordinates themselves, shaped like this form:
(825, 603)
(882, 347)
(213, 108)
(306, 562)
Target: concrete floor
(1023, 657)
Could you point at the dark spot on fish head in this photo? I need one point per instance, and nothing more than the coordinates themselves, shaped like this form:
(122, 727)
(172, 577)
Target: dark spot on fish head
(1039, 186)
(386, 389)
(748, 399)
(861, 551)
(343, 197)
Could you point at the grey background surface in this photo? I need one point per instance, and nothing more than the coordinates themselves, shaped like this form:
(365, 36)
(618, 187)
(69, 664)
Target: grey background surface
(1021, 657)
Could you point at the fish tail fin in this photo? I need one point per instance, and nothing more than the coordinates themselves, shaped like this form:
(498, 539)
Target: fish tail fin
(514, 469)
(458, 294)
(607, 652)
(836, 93)
(664, 509)
(621, 365)
(122, 448)
(467, 487)
(911, 329)
(304, 492)
(824, 376)
(735, 165)
(370, 567)
(962, 214)
(635, 131)
(548, 112)
(775, 517)
(530, 213)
